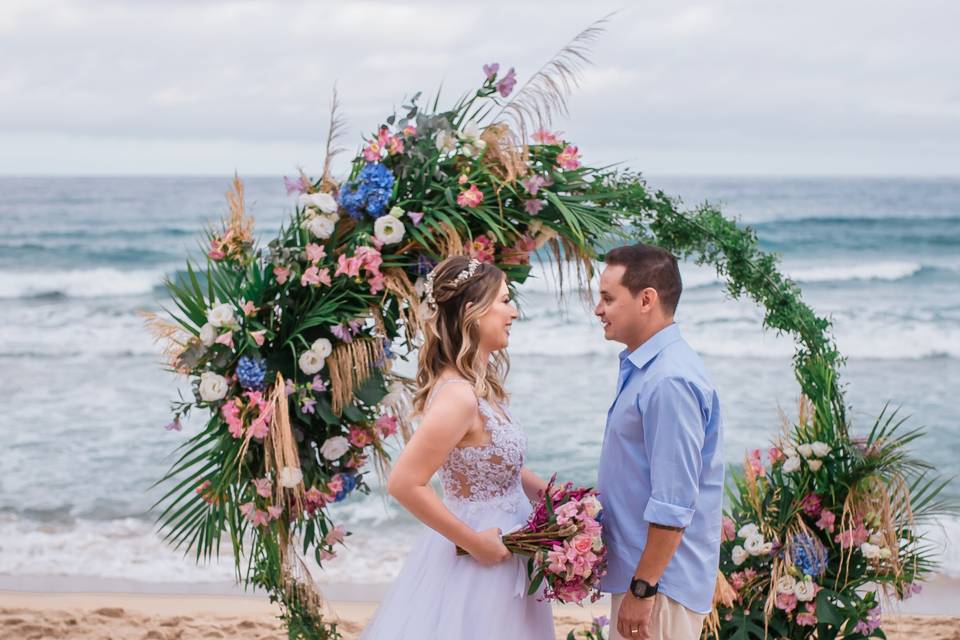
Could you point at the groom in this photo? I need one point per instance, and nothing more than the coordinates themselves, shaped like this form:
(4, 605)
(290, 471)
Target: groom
(661, 467)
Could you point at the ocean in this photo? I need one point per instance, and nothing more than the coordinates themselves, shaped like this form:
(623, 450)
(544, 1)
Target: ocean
(82, 426)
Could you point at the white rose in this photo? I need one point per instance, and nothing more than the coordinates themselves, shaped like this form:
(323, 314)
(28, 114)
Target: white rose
(885, 553)
(334, 448)
(766, 548)
(213, 386)
(870, 551)
(789, 451)
(786, 584)
(792, 464)
(388, 230)
(805, 590)
(805, 450)
(396, 212)
(322, 347)
(877, 539)
(820, 449)
(753, 544)
(815, 464)
(322, 201)
(445, 141)
(221, 316)
(290, 477)
(320, 227)
(738, 555)
(310, 362)
(748, 530)
(208, 335)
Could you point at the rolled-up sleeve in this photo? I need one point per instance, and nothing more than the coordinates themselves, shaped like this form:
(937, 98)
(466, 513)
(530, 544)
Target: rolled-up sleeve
(673, 432)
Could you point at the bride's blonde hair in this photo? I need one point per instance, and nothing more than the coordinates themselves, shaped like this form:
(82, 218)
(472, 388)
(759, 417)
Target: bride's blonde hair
(451, 336)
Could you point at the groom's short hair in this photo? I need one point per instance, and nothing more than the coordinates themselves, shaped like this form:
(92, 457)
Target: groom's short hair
(649, 266)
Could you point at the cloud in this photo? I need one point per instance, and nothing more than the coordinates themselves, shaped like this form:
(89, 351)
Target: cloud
(682, 87)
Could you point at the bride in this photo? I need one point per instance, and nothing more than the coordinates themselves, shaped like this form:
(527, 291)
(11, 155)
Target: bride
(470, 437)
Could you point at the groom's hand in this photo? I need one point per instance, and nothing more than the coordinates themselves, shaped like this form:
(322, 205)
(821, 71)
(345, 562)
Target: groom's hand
(633, 620)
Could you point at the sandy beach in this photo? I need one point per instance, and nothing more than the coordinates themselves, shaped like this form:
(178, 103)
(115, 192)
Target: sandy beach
(126, 616)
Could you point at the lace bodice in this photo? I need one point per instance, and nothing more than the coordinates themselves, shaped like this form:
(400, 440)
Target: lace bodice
(487, 472)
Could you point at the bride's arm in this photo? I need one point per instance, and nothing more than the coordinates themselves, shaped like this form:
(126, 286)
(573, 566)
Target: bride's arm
(533, 485)
(443, 426)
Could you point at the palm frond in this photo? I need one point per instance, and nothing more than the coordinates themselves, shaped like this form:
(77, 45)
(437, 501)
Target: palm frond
(545, 94)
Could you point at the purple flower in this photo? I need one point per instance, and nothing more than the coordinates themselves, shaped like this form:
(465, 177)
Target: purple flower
(424, 265)
(174, 426)
(307, 405)
(295, 186)
(355, 326)
(491, 70)
(289, 388)
(506, 84)
(535, 182)
(341, 333)
(318, 384)
(416, 216)
(601, 621)
(533, 207)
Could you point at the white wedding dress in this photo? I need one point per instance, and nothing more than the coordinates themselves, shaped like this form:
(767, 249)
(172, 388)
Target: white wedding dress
(439, 594)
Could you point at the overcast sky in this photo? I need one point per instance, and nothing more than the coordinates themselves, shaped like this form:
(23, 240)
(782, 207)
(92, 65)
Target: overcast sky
(721, 87)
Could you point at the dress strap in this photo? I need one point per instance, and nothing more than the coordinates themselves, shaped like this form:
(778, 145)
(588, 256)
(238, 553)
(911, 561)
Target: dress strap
(441, 385)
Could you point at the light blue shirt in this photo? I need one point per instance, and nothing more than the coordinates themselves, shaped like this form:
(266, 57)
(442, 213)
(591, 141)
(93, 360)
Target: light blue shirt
(662, 462)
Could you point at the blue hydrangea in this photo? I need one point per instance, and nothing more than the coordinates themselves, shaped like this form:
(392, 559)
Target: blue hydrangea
(809, 555)
(251, 372)
(369, 194)
(349, 484)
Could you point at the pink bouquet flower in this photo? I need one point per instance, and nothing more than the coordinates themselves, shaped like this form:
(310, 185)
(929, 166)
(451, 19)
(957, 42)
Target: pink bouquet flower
(562, 541)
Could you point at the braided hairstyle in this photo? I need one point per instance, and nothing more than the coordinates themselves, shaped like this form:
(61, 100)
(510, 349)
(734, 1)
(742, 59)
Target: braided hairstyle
(451, 336)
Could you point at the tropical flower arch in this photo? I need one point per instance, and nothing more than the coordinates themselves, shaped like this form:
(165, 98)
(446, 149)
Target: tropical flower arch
(291, 348)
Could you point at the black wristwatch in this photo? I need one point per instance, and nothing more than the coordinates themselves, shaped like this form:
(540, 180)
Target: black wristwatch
(643, 589)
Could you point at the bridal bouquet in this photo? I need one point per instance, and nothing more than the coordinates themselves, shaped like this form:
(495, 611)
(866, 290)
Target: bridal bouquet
(562, 541)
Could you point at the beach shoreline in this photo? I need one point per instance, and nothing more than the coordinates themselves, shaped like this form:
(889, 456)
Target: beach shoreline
(41, 607)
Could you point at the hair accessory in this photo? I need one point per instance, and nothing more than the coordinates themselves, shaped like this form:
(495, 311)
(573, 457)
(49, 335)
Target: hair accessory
(462, 277)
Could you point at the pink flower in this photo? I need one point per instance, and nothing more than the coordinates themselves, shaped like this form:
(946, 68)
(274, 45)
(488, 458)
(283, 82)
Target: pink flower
(729, 530)
(506, 84)
(533, 207)
(811, 504)
(264, 486)
(274, 512)
(174, 426)
(481, 248)
(775, 455)
(259, 428)
(387, 426)
(371, 153)
(852, 537)
(567, 512)
(737, 580)
(826, 520)
(754, 461)
(258, 337)
(216, 249)
(337, 534)
(369, 258)
(360, 437)
(519, 253)
(231, 415)
(557, 562)
(569, 158)
(542, 136)
(490, 70)
(395, 145)
(335, 485)
(315, 253)
(471, 198)
(327, 555)
(409, 130)
(349, 267)
(582, 544)
(376, 282)
(226, 338)
(315, 276)
(786, 601)
(809, 617)
(281, 273)
(415, 216)
(318, 384)
(300, 185)
(534, 183)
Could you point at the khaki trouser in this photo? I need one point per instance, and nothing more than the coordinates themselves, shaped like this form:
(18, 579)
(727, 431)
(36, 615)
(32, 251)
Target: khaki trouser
(670, 620)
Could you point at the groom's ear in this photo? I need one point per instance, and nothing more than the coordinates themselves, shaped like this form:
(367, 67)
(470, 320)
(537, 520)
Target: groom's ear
(649, 298)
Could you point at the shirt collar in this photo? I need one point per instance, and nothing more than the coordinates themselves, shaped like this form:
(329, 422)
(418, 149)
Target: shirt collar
(650, 349)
